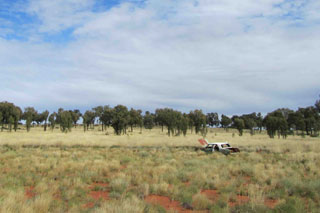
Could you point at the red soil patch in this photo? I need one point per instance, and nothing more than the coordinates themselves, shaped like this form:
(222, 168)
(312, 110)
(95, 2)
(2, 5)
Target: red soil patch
(88, 205)
(29, 193)
(241, 199)
(97, 195)
(211, 194)
(93, 185)
(187, 183)
(165, 202)
(270, 203)
(123, 167)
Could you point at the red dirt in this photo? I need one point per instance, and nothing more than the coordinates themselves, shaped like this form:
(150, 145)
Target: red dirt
(96, 195)
(123, 167)
(165, 202)
(270, 203)
(29, 193)
(241, 199)
(88, 205)
(187, 183)
(211, 194)
(93, 185)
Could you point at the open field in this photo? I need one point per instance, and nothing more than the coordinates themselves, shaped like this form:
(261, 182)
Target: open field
(151, 172)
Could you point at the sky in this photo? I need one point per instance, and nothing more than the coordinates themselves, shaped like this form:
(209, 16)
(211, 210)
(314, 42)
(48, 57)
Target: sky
(223, 56)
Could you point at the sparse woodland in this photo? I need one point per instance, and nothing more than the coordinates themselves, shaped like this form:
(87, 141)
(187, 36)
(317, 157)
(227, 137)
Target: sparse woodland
(281, 122)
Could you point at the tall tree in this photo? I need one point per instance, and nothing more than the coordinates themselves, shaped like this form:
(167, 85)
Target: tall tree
(29, 115)
(120, 117)
(213, 119)
(225, 121)
(199, 120)
(52, 120)
(239, 125)
(88, 118)
(76, 114)
(148, 120)
(98, 114)
(10, 115)
(45, 115)
(276, 122)
(106, 117)
(66, 121)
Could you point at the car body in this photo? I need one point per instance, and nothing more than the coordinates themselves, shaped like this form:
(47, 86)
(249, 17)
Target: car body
(223, 147)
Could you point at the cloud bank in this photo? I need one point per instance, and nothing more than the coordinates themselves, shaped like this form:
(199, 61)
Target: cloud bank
(225, 56)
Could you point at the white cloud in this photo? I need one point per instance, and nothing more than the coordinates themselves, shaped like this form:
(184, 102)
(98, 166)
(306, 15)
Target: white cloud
(221, 56)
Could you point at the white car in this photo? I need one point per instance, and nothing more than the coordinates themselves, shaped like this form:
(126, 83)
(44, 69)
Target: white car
(223, 147)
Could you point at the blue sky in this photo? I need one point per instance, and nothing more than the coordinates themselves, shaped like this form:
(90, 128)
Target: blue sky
(218, 55)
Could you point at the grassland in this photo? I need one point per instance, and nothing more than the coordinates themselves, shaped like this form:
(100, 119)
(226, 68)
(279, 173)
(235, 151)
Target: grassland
(151, 172)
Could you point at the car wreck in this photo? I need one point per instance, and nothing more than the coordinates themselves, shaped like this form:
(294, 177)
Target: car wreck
(223, 147)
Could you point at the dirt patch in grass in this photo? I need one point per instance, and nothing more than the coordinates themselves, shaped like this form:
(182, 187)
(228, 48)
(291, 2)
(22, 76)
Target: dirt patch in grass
(211, 194)
(97, 195)
(165, 202)
(29, 192)
(98, 184)
(187, 183)
(241, 199)
(270, 203)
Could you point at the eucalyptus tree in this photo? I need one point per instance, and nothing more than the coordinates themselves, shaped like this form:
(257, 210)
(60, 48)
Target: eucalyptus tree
(135, 118)
(225, 122)
(106, 117)
(199, 120)
(276, 123)
(44, 116)
(148, 120)
(29, 115)
(10, 115)
(159, 117)
(88, 118)
(120, 117)
(239, 125)
(52, 120)
(98, 114)
(213, 119)
(66, 121)
(75, 114)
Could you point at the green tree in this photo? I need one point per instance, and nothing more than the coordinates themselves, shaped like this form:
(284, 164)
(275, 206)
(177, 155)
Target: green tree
(98, 114)
(76, 115)
(52, 120)
(239, 125)
(29, 115)
(88, 118)
(66, 121)
(44, 119)
(148, 120)
(133, 118)
(276, 123)
(10, 115)
(106, 117)
(199, 120)
(225, 122)
(213, 119)
(120, 117)
(160, 117)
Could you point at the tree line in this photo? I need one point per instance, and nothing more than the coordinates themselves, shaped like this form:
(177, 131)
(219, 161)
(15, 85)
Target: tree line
(280, 122)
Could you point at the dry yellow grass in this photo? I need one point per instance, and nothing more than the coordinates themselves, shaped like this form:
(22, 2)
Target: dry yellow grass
(60, 174)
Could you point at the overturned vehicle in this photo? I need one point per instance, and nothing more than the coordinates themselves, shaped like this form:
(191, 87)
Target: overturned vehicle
(223, 147)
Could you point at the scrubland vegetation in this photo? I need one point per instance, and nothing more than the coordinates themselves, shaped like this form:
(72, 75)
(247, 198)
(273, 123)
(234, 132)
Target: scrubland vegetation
(98, 171)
